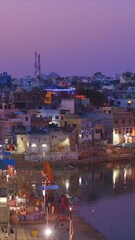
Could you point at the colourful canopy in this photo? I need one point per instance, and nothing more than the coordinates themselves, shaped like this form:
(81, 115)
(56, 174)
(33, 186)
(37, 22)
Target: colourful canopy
(7, 153)
(50, 187)
(2, 166)
(8, 161)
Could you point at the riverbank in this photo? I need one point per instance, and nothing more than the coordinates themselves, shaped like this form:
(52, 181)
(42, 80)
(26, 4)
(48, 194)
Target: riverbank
(85, 231)
(94, 160)
(59, 226)
(98, 156)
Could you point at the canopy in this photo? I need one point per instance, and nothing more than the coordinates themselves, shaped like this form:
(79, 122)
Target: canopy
(2, 166)
(7, 153)
(8, 161)
(50, 187)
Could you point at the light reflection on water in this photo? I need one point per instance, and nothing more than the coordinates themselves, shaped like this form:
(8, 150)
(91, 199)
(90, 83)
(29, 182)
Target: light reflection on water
(107, 197)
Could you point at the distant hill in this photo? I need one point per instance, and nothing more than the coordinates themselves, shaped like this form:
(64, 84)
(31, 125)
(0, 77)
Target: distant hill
(52, 75)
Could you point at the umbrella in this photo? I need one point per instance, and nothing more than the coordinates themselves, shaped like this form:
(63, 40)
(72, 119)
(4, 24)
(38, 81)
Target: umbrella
(7, 153)
(8, 161)
(2, 166)
(50, 187)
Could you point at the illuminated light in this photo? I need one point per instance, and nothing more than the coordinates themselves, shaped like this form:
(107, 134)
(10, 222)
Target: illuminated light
(80, 135)
(33, 145)
(48, 97)
(44, 145)
(43, 193)
(67, 184)
(129, 101)
(48, 232)
(60, 90)
(93, 210)
(80, 97)
(3, 200)
(80, 181)
(70, 208)
(7, 177)
(67, 140)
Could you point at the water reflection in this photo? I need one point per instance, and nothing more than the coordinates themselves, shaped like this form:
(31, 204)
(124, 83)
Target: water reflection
(107, 196)
(99, 181)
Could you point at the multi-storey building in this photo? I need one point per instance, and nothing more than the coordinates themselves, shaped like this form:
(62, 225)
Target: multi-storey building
(58, 140)
(52, 114)
(123, 127)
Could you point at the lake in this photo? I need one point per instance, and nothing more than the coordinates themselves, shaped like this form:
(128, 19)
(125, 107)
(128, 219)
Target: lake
(107, 196)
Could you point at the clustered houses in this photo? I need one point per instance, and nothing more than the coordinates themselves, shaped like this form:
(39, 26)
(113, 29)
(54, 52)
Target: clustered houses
(50, 120)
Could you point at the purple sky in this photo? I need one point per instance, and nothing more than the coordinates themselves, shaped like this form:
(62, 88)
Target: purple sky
(73, 37)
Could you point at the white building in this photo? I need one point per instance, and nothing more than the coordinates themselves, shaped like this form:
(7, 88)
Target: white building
(68, 104)
(51, 113)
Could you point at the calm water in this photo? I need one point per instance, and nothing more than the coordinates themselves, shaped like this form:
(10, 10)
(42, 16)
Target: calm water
(107, 197)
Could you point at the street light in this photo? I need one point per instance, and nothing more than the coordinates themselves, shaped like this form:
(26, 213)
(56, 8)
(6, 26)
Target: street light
(48, 232)
(67, 184)
(44, 194)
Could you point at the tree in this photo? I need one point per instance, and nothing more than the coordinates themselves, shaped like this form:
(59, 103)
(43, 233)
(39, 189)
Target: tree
(96, 98)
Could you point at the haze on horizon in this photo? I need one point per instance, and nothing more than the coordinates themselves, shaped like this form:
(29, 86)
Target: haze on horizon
(73, 37)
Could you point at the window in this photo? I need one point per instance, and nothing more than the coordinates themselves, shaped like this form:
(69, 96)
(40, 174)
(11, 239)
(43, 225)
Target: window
(123, 121)
(130, 130)
(119, 131)
(61, 118)
(56, 117)
(116, 131)
(116, 121)
(127, 130)
(26, 118)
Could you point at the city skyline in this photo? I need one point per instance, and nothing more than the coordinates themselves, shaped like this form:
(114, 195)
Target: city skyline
(73, 37)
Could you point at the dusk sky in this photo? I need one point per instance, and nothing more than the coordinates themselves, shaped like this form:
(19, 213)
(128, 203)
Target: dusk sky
(73, 37)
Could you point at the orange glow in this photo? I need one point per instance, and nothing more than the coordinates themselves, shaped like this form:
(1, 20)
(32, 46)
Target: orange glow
(48, 98)
(80, 96)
